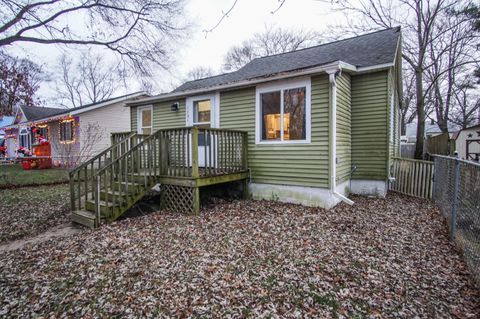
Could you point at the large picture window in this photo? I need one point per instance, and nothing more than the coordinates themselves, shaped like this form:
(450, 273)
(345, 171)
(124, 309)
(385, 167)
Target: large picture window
(283, 113)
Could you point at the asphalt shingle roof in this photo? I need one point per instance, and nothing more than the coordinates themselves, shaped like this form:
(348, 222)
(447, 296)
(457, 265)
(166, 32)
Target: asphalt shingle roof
(361, 51)
(35, 112)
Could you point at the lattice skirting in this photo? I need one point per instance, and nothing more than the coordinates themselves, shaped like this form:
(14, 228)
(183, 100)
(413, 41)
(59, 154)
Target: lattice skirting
(179, 199)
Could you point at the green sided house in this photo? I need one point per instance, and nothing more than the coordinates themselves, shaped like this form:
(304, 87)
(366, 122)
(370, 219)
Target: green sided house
(309, 126)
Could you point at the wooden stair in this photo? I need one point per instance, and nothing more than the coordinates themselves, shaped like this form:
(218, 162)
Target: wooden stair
(105, 187)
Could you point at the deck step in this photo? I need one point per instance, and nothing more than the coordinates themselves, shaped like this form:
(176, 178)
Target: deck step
(106, 208)
(130, 184)
(84, 218)
(111, 194)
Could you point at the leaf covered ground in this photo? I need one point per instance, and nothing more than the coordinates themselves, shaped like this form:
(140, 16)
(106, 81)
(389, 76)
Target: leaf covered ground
(29, 211)
(380, 258)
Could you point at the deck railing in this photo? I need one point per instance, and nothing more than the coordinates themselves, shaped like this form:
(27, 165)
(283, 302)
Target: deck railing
(189, 152)
(81, 177)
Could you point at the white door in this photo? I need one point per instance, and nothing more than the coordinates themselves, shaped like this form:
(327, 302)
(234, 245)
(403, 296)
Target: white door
(202, 111)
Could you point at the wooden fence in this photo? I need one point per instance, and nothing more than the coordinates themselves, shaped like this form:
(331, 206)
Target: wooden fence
(412, 177)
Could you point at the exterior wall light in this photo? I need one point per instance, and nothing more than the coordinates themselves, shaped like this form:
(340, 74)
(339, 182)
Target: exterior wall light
(174, 107)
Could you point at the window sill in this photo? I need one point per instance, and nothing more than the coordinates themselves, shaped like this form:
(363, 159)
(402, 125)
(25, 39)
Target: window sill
(283, 142)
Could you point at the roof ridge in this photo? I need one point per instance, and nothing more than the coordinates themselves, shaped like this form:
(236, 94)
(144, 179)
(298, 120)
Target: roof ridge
(323, 44)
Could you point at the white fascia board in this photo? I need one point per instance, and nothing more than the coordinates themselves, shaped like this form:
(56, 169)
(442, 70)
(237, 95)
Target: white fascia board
(377, 67)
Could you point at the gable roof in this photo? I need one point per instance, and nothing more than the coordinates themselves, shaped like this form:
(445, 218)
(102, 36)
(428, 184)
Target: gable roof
(33, 113)
(366, 50)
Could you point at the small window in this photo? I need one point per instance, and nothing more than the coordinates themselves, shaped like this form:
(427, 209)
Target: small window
(284, 113)
(145, 120)
(66, 131)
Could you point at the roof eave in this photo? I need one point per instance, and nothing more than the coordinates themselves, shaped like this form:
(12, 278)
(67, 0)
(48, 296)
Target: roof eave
(337, 65)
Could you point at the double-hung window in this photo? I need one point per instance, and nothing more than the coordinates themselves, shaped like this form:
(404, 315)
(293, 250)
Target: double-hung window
(283, 112)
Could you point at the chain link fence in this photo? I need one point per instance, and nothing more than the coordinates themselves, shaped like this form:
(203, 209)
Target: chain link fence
(457, 194)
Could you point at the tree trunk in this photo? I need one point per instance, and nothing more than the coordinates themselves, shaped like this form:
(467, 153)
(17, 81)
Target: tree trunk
(420, 113)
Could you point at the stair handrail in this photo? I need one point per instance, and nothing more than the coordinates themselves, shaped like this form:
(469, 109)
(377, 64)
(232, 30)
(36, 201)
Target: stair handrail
(117, 161)
(84, 166)
(102, 153)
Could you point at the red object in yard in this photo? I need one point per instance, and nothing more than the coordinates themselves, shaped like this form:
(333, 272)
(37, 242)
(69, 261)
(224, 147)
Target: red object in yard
(43, 153)
(26, 165)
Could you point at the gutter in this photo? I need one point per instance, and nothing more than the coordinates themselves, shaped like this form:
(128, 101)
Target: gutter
(337, 65)
(333, 73)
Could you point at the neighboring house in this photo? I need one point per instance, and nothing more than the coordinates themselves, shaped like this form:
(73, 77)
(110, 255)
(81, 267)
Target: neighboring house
(467, 143)
(4, 121)
(18, 132)
(321, 121)
(75, 134)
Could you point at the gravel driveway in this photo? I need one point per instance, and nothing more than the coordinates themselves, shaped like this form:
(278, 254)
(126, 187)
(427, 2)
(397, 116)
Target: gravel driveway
(380, 258)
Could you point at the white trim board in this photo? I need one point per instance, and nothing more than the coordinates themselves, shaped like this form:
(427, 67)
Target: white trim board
(214, 112)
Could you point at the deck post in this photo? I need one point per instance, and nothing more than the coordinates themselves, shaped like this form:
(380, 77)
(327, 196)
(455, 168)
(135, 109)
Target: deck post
(72, 191)
(245, 165)
(195, 152)
(196, 200)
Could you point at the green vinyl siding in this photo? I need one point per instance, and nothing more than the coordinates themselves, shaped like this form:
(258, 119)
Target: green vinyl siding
(344, 142)
(369, 125)
(163, 116)
(284, 164)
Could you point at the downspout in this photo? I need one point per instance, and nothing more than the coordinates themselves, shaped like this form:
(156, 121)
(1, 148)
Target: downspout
(333, 135)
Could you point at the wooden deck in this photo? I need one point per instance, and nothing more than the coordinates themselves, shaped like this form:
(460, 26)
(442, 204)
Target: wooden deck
(180, 160)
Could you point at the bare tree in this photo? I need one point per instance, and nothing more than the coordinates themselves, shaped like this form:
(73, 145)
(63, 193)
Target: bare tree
(89, 80)
(466, 102)
(451, 56)
(19, 81)
(421, 22)
(199, 72)
(408, 110)
(139, 32)
(273, 40)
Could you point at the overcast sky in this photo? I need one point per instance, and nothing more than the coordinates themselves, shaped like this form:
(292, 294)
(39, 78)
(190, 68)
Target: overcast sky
(247, 18)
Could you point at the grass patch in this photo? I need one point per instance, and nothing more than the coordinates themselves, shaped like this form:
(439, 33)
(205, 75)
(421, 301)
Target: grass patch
(14, 175)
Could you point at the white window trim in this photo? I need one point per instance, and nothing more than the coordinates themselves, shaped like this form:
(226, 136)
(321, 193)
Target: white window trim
(139, 118)
(214, 112)
(280, 86)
